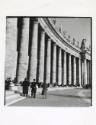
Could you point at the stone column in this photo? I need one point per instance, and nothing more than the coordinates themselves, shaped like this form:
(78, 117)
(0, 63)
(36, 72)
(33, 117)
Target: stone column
(69, 69)
(41, 59)
(48, 61)
(74, 70)
(60, 68)
(90, 72)
(80, 72)
(65, 68)
(85, 72)
(23, 51)
(54, 64)
(33, 53)
(11, 47)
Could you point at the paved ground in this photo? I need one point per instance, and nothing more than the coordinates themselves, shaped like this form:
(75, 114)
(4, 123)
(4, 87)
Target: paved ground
(60, 98)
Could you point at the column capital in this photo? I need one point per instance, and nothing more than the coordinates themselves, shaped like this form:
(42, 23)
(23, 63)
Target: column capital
(42, 31)
(74, 57)
(34, 19)
(59, 48)
(54, 43)
(65, 52)
(49, 39)
(69, 54)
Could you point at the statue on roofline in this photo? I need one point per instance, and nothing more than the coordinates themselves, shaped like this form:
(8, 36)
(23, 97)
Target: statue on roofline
(83, 50)
(69, 38)
(73, 41)
(78, 44)
(60, 29)
(64, 34)
(54, 21)
(83, 44)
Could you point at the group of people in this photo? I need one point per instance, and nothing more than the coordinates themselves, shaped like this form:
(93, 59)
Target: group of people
(34, 86)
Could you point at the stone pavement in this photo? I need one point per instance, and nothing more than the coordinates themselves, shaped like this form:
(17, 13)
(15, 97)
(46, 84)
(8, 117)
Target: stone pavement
(12, 97)
(59, 98)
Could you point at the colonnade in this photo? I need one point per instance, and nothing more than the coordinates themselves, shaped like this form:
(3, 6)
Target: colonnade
(40, 58)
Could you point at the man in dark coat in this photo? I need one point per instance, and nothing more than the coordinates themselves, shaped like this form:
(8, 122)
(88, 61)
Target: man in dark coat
(7, 83)
(25, 85)
(44, 90)
(33, 88)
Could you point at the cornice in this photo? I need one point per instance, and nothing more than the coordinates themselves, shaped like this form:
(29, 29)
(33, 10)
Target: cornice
(59, 36)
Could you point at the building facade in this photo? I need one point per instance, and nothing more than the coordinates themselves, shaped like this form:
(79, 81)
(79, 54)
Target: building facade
(35, 49)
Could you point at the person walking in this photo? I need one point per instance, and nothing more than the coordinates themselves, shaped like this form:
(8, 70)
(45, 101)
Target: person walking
(44, 90)
(33, 88)
(25, 85)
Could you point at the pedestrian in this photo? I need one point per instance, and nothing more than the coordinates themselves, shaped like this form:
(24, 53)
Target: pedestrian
(44, 90)
(33, 88)
(25, 86)
(20, 88)
(7, 83)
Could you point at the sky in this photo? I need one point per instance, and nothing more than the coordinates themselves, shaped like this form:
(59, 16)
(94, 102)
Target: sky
(77, 28)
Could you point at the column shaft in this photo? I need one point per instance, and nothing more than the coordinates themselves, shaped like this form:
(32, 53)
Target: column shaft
(65, 68)
(33, 53)
(90, 73)
(80, 72)
(11, 47)
(74, 71)
(48, 61)
(41, 59)
(85, 72)
(23, 51)
(69, 69)
(60, 67)
(54, 64)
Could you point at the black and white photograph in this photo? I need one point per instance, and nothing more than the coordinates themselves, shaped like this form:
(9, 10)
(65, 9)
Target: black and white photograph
(48, 61)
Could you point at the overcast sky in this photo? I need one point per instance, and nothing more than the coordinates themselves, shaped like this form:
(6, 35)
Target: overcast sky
(78, 28)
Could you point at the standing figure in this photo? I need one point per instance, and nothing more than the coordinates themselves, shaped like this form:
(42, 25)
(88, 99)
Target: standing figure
(25, 85)
(33, 88)
(44, 90)
(7, 83)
